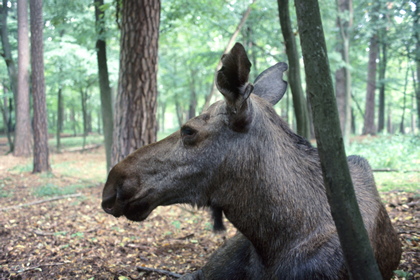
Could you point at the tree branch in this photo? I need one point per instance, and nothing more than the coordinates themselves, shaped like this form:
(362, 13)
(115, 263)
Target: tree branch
(159, 271)
(228, 47)
(41, 201)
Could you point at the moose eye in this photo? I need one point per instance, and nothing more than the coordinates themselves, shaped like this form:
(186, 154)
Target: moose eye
(188, 133)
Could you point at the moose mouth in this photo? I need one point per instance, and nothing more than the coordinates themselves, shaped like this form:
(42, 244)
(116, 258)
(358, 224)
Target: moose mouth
(137, 210)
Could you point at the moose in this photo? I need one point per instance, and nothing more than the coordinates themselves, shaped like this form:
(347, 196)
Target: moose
(241, 159)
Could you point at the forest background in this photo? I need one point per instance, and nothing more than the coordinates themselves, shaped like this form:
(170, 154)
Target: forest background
(192, 37)
(374, 55)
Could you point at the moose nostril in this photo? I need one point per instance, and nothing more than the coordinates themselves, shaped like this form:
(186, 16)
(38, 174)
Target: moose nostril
(108, 210)
(108, 204)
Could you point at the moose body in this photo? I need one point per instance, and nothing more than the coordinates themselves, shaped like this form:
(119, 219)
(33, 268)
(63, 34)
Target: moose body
(241, 158)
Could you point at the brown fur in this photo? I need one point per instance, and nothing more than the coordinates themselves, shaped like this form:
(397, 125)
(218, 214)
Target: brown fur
(239, 157)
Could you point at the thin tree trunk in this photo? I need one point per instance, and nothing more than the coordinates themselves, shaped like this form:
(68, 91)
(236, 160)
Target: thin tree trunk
(343, 75)
(402, 123)
(83, 96)
(382, 71)
(7, 50)
(227, 49)
(193, 97)
(389, 129)
(162, 116)
(179, 113)
(354, 240)
(369, 120)
(135, 114)
(4, 113)
(105, 89)
(23, 132)
(73, 120)
(59, 118)
(299, 100)
(41, 155)
(416, 29)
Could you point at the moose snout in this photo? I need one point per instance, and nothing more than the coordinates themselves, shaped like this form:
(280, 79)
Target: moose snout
(110, 202)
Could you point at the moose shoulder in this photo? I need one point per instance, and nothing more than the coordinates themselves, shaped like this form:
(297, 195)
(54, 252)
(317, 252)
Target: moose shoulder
(240, 158)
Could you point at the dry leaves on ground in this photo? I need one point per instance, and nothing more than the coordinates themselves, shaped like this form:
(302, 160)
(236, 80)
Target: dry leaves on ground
(73, 238)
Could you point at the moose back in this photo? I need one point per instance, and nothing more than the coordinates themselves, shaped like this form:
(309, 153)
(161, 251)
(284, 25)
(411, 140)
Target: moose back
(241, 158)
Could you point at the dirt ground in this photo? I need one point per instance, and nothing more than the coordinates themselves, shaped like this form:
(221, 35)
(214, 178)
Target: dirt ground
(72, 238)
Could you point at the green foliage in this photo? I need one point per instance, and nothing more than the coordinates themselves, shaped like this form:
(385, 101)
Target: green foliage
(193, 35)
(23, 168)
(403, 274)
(394, 152)
(54, 190)
(176, 224)
(399, 153)
(4, 193)
(69, 142)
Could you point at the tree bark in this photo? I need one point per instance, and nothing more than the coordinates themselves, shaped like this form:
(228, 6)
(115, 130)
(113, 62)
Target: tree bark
(354, 240)
(41, 155)
(369, 120)
(417, 56)
(23, 132)
(105, 89)
(193, 96)
(135, 112)
(6, 120)
(7, 51)
(59, 118)
(382, 71)
(295, 82)
(83, 98)
(402, 123)
(343, 75)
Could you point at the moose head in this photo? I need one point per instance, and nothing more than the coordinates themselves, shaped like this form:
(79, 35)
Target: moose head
(187, 166)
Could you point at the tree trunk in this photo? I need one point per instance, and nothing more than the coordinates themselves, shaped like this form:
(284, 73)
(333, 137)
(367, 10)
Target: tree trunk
(23, 132)
(73, 121)
(83, 97)
(369, 120)
(389, 129)
(135, 112)
(299, 100)
(417, 56)
(6, 121)
(402, 123)
(41, 159)
(105, 89)
(193, 96)
(59, 118)
(162, 116)
(7, 51)
(345, 211)
(382, 70)
(179, 113)
(343, 75)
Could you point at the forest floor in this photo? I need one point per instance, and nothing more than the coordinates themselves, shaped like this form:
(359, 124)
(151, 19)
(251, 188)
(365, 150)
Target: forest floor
(72, 238)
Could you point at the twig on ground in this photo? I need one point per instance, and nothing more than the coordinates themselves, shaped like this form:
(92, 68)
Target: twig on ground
(41, 201)
(38, 267)
(159, 271)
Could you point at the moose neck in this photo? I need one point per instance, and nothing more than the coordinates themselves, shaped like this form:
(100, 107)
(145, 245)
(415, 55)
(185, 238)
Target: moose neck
(274, 181)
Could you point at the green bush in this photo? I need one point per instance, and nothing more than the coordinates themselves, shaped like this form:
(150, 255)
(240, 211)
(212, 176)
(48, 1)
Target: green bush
(53, 190)
(395, 152)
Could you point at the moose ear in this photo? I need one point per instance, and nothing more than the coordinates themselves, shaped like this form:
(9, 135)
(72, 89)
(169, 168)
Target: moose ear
(270, 84)
(232, 82)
